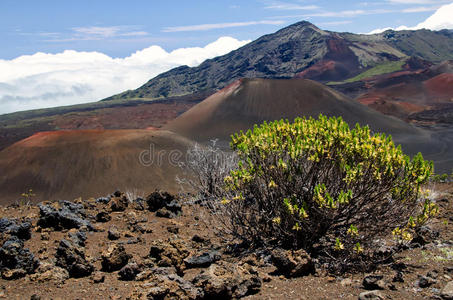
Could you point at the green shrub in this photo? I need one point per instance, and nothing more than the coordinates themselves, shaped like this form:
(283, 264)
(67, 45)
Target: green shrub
(326, 188)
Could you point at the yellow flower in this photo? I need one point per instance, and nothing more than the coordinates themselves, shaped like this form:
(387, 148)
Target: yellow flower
(272, 184)
(338, 245)
(225, 201)
(277, 220)
(358, 248)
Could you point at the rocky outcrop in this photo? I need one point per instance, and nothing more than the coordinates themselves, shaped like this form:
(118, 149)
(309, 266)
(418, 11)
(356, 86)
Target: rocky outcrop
(13, 227)
(63, 214)
(15, 260)
(70, 256)
(130, 271)
(164, 204)
(202, 260)
(292, 263)
(114, 258)
(118, 201)
(227, 281)
(169, 254)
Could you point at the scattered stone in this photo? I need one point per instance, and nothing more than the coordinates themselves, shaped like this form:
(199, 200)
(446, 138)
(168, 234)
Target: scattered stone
(103, 200)
(130, 271)
(158, 200)
(114, 258)
(225, 281)
(174, 207)
(373, 282)
(172, 287)
(448, 269)
(371, 295)
(202, 260)
(63, 215)
(169, 254)
(13, 274)
(164, 204)
(425, 281)
(35, 297)
(134, 240)
(144, 275)
(103, 217)
(198, 239)
(12, 227)
(71, 256)
(13, 255)
(173, 229)
(165, 213)
(139, 204)
(119, 201)
(45, 236)
(141, 228)
(292, 263)
(78, 238)
(113, 233)
(49, 272)
(447, 291)
(98, 277)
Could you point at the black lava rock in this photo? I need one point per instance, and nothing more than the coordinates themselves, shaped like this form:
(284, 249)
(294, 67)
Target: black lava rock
(13, 255)
(71, 256)
(203, 260)
(69, 215)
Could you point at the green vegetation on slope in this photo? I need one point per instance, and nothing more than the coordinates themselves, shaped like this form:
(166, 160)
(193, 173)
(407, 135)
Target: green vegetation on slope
(385, 68)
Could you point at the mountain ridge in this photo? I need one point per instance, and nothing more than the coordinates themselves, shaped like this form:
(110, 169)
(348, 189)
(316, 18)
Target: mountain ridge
(292, 50)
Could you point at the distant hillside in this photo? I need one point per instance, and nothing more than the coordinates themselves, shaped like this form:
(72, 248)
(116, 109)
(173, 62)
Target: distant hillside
(302, 50)
(89, 163)
(416, 92)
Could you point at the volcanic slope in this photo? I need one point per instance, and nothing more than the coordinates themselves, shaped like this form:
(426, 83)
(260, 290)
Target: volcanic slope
(410, 94)
(252, 101)
(301, 50)
(87, 163)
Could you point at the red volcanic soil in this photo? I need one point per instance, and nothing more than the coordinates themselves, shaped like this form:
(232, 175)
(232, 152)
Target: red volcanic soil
(324, 70)
(121, 116)
(338, 63)
(402, 94)
(69, 164)
(129, 117)
(440, 86)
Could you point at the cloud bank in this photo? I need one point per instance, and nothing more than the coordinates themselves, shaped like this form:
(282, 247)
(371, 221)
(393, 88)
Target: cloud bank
(441, 19)
(71, 77)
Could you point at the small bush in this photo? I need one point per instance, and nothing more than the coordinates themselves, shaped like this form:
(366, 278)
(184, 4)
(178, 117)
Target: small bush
(323, 187)
(208, 166)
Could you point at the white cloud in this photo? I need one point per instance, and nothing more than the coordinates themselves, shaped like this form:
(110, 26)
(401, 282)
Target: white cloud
(290, 6)
(420, 9)
(91, 33)
(71, 77)
(203, 27)
(441, 19)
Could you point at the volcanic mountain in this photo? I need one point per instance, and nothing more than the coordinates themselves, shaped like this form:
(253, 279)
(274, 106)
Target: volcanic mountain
(252, 101)
(301, 50)
(90, 163)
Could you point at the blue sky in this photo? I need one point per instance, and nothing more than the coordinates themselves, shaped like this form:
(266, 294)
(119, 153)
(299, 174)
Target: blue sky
(118, 28)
